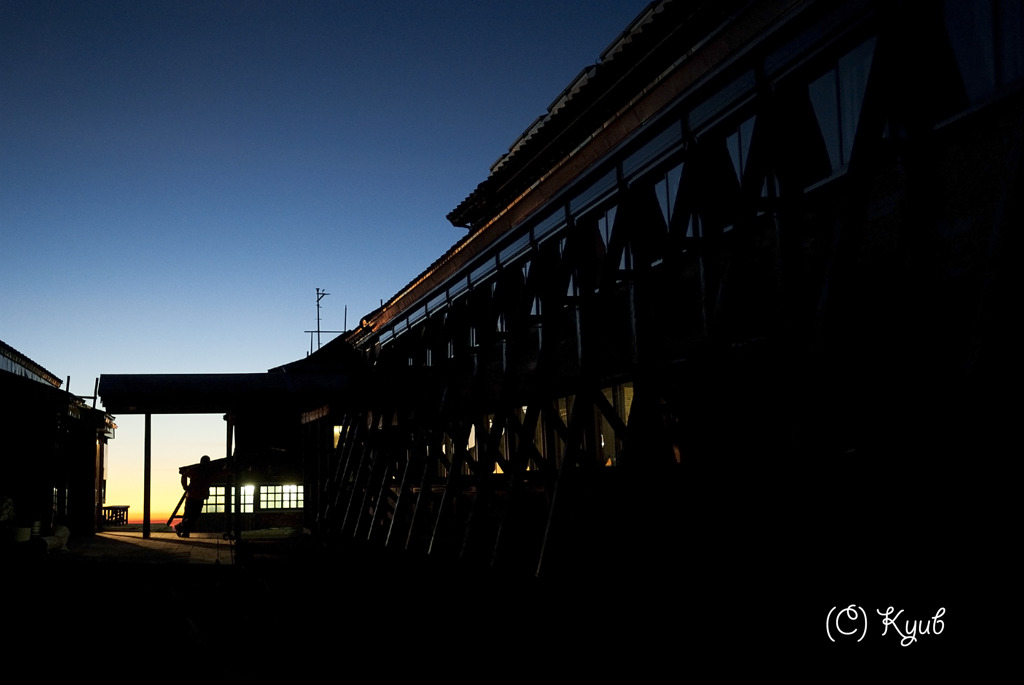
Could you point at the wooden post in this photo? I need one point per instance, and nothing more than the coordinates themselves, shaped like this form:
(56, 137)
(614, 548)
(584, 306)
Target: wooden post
(147, 471)
(236, 505)
(229, 490)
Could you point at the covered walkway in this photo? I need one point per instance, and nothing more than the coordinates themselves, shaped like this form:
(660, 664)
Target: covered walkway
(160, 547)
(282, 392)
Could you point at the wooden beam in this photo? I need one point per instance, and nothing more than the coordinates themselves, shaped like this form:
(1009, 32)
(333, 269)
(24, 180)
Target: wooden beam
(147, 469)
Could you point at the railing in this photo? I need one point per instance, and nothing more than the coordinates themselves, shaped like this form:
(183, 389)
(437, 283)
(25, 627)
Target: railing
(115, 515)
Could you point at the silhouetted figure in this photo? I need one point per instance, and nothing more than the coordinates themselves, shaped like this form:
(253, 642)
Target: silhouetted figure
(195, 480)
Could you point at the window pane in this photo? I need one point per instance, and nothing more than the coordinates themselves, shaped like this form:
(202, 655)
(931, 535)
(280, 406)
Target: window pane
(739, 147)
(667, 189)
(837, 98)
(653, 149)
(247, 498)
(825, 100)
(281, 497)
(597, 190)
(215, 503)
(1011, 40)
(969, 24)
(854, 68)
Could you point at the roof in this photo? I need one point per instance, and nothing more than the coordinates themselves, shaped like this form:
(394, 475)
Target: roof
(670, 49)
(215, 393)
(27, 365)
(656, 41)
(335, 355)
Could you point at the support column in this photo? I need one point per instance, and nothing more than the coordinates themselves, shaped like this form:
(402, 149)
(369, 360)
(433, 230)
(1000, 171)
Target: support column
(147, 475)
(229, 491)
(236, 504)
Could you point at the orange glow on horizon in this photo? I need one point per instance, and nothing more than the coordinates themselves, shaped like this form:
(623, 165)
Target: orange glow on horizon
(160, 518)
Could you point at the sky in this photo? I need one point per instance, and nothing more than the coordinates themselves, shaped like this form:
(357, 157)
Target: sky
(177, 178)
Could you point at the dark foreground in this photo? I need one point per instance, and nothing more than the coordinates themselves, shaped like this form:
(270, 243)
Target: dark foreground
(741, 604)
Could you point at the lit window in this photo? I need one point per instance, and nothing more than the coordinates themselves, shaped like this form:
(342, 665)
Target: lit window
(620, 399)
(216, 503)
(564, 407)
(247, 498)
(447, 456)
(281, 497)
(471, 442)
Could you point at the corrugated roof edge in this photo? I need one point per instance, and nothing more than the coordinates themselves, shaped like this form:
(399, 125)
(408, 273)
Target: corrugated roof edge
(578, 85)
(581, 80)
(16, 356)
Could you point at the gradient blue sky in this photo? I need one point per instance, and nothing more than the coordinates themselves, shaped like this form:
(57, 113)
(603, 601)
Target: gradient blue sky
(177, 178)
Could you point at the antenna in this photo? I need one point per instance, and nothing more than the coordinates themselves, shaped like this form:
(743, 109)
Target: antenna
(320, 294)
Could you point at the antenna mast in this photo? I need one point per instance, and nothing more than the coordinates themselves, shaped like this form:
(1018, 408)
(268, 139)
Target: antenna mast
(320, 294)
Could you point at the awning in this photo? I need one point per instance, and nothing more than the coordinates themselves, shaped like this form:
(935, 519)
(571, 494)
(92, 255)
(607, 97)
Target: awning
(216, 393)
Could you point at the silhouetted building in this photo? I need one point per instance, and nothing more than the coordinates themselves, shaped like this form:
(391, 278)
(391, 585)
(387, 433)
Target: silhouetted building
(270, 494)
(264, 417)
(54, 453)
(756, 257)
